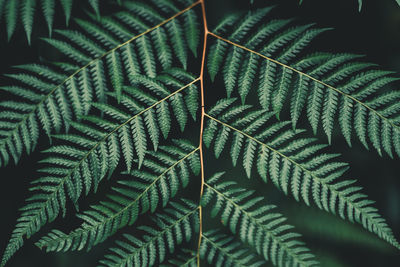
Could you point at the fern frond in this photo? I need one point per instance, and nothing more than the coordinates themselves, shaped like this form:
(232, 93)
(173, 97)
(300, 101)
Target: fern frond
(118, 95)
(256, 223)
(96, 7)
(143, 190)
(319, 83)
(48, 9)
(217, 51)
(86, 158)
(222, 250)
(58, 96)
(28, 12)
(175, 225)
(192, 32)
(294, 164)
(11, 16)
(25, 11)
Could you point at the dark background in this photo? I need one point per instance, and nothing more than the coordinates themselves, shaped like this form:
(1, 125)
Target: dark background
(375, 32)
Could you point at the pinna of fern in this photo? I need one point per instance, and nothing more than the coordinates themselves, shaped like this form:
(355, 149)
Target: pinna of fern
(296, 165)
(104, 55)
(319, 84)
(22, 12)
(178, 223)
(255, 223)
(144, 190)
(175, 225)
(243, 212)
(84, 159)
(220, 249)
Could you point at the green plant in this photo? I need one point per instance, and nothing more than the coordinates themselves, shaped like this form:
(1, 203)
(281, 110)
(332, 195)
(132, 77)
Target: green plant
(24, 10)
(127, 88)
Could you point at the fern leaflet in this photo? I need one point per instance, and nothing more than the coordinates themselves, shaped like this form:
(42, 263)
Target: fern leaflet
(144, 191)
(79, 165)
(223, 250)
(24, 10)
(320, 83)
(55, 97)
(295, 165)
(176, 225)
(255, 223)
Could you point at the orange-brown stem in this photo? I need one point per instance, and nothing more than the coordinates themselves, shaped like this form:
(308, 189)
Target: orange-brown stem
(206, 32)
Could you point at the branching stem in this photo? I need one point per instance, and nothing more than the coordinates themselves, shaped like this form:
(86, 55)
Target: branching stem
(203, 59)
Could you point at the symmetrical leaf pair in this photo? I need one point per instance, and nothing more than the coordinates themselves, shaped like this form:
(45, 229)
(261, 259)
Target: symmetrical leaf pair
(134, 52)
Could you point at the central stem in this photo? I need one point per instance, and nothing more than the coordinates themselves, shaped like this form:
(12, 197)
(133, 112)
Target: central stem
(203, 59)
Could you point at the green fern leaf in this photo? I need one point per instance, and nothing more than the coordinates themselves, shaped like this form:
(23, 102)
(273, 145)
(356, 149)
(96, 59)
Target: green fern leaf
(146, 54)
(67, 7)
(90, 150)
(28, 11)
(176, 225)
(96, 8)
(296, 165)
(48, 8)
(163, 49)
(11, 16)
(222, 250)
(318, 83)
(192, 32)
(130, 199)
(175, 32)
(131, 63)
(115, 69)
(255, 223)
(217, 51)
(118, 93)
(109, 58)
